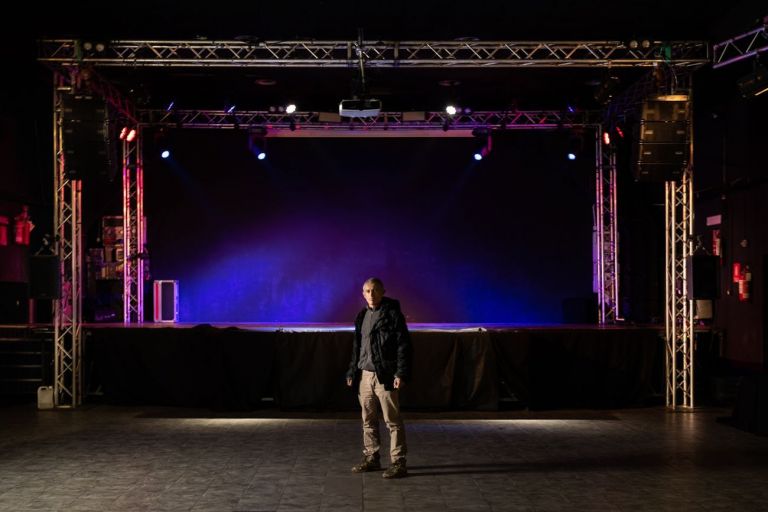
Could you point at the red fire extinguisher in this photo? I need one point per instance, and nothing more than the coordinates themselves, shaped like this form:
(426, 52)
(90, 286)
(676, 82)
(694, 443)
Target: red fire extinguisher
(22, 226)
(742, 276)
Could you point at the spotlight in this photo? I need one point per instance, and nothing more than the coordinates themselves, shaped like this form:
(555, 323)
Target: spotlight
(606, 138)
(165, 154)
(231, 109)
(123, 133)
(290, 109)
(575, 146)
(257, 143)
(484, 143)
(606, 89)
(450, 110)
(131, 136)
(755, 83)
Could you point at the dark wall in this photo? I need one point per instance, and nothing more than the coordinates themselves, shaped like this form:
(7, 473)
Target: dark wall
(731, 180)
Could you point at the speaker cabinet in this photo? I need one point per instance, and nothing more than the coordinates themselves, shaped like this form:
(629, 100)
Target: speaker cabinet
(44, 275)
(661, 148)
(85, 137)
(703, 277)
(166, 301)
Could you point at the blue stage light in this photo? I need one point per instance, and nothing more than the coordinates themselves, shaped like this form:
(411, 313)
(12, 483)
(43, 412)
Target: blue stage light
(261, 156)
(571, 156)
(478, 156)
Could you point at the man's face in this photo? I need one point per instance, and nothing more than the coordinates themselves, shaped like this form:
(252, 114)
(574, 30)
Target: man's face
(372, 294)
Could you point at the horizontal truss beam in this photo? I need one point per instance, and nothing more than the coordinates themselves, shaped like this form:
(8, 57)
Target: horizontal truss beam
(342, 54)
(740, 47)
(531, 119)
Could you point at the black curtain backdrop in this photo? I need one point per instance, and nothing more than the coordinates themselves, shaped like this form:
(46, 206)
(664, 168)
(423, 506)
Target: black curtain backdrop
(234, 369)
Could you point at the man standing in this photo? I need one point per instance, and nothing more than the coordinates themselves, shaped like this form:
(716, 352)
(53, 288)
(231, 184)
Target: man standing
(381, 360)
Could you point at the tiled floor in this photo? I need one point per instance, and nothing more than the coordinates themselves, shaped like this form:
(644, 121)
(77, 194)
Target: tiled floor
(105, 458)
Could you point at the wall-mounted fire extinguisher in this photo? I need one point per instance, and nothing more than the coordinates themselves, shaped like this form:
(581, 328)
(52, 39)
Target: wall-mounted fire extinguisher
(716, 243)
(22, 227)
(742, 277)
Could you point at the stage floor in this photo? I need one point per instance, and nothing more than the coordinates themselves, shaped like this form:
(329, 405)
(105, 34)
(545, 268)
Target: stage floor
(334, 327)
(148, 458)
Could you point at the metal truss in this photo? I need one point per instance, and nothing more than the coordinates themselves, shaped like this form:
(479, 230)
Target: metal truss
(679, 307)
(67, 309)
(740, 47)
(342, 54)
(607, 237)
(86, 78)
(531, 119)
(133, 232)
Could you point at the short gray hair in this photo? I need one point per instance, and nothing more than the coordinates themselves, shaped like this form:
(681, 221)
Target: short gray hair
(375, 281)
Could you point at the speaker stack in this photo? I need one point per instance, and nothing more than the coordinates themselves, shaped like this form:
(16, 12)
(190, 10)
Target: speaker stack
(662, 145)
(85, 136)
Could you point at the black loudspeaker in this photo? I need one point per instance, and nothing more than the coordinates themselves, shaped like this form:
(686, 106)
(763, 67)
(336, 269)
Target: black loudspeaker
(661, 148)
(44, 280)
(85, 137)
(703, 277)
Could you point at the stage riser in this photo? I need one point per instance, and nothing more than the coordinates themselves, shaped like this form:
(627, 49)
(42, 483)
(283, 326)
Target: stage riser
(237, 369)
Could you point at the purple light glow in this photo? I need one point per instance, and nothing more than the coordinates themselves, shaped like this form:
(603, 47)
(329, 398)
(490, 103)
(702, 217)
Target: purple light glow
(295, 241)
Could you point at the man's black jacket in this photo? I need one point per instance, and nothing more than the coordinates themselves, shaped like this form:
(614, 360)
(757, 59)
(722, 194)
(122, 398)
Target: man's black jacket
(390, 345)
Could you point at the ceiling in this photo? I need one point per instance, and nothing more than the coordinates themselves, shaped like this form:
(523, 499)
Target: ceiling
(315, 89)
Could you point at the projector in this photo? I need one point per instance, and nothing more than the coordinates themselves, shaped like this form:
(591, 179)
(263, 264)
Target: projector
(359, 108)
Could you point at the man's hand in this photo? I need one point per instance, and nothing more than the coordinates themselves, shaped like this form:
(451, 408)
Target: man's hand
(398, 383)
(349, 382)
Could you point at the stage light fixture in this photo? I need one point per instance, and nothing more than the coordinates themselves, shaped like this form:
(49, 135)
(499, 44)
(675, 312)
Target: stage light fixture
(131, 135)
(290, 109)
(484, 143)
(450, 110)
(606, 138)
(123, 133)
(257, 143)
(165, 154)
(575, 146)
(755, 83)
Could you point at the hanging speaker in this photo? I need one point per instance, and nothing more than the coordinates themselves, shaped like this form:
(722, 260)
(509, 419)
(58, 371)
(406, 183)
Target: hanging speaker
(44, 280)
(661, 149)
(85, 137)
(703, 277)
